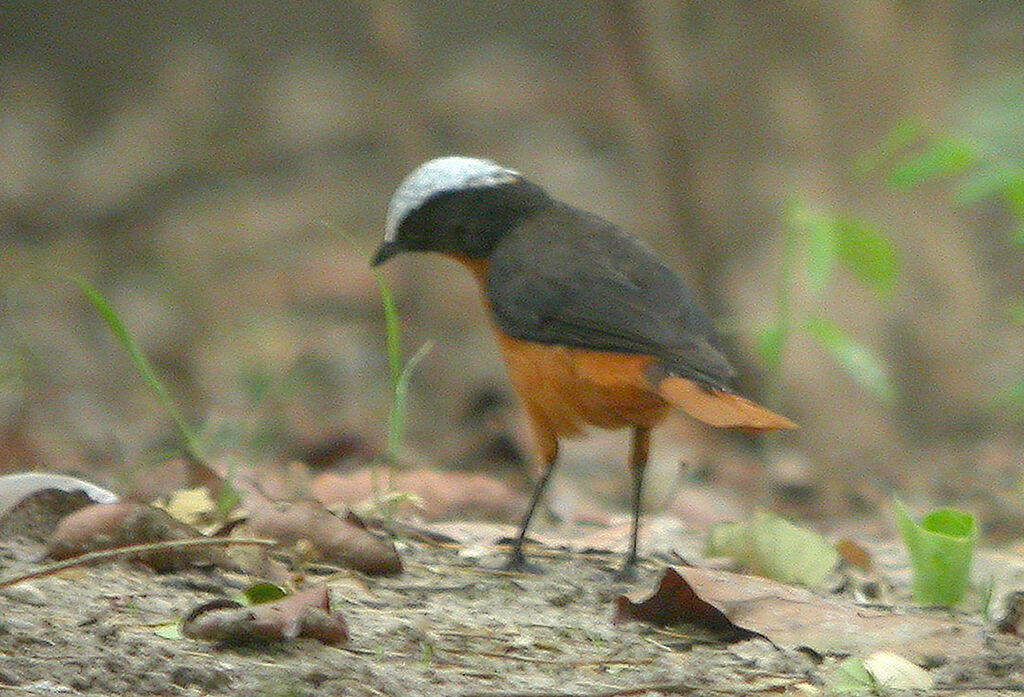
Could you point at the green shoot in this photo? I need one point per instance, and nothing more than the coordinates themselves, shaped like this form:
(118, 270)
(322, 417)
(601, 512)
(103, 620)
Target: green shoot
(941, 548)
(855, 358)
(144, 367)
(400, 373)
(396, 426)
(979, 168)
(393, 330)
(914, 156)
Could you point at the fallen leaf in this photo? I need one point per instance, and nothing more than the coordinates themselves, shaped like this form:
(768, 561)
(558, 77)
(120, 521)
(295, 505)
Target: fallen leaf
(191, 506)
(443, 495)
(343, 541)
(262, 592)
(795, 617)
(772, 546)
(893, 673)
(15, 487)
(304, 614)
(106, 526)
(672, 604)
(854, 554)
(851, 679)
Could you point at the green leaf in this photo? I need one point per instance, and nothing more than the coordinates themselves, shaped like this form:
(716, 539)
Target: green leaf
(851, 679)
(901, 136)
(989, 181)
(169, 630)
(392, 328)
(730, 540)
(868, 253)
(261, 592)
(822, 248)
(396, 428)
(770, 345)
(228, 498)
(941, 549)
(942, 158)
(775, 548)
(1014, 198)
(857, 360)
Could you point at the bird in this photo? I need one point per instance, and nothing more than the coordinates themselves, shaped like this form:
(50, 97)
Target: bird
(594, 329)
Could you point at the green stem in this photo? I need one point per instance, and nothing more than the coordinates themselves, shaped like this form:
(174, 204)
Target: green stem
(144, 367)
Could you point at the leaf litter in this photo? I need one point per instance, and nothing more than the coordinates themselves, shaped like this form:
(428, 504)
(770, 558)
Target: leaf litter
(449, 625)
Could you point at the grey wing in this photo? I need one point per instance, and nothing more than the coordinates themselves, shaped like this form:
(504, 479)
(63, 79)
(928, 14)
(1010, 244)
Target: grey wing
(612, 295)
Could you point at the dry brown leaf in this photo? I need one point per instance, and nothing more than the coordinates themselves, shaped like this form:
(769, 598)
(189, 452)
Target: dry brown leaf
(854, 554)
(795, 617)
(672, 604)
(343, 541)
(106, 526)
(444, 495)
(304, 614)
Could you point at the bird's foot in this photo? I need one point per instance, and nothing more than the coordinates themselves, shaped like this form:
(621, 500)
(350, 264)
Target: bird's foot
(627, 573)
(517, 563)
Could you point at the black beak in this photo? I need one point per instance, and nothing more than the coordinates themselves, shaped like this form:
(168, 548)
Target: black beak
(384, 252)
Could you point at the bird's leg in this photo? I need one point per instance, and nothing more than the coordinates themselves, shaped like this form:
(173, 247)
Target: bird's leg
(637, 464)
(517, 560)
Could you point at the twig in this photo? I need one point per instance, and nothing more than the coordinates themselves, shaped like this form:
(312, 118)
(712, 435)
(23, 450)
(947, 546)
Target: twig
(667, 688)
(112, 554)
(671, 688)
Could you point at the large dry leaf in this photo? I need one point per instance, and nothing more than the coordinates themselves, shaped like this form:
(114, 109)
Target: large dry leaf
(795, 617)
(343, 541)
(442, 495)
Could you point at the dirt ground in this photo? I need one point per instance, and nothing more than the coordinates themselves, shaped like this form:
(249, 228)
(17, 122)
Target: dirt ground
(448, 625)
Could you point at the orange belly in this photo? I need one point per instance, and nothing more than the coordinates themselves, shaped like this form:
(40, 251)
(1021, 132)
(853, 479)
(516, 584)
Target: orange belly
(566, 389)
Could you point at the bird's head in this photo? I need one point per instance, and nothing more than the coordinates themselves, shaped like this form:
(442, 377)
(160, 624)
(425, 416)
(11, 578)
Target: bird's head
(455, 205)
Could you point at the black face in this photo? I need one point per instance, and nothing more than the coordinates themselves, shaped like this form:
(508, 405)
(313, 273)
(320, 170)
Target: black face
(468, 222)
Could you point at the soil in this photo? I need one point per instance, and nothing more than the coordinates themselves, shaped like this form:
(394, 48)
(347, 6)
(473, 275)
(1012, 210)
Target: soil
(448, 625)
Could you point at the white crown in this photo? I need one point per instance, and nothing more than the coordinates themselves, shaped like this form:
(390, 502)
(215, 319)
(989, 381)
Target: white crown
(450, 173)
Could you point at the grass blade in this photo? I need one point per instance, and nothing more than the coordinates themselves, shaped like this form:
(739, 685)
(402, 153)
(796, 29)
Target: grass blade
(396, 425)
(142, 365)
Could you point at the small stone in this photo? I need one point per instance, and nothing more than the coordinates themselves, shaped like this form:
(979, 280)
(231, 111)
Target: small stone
(26, 593)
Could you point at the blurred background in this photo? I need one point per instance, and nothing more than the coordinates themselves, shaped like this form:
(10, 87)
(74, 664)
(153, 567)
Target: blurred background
(221, 170)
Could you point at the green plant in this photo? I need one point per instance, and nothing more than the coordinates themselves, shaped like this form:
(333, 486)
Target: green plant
(979, 169)
(913, 155)
(941, 549)
(400, 374)
(816, 244)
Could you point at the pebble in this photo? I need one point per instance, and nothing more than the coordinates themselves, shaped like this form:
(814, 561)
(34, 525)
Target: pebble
(25, 593)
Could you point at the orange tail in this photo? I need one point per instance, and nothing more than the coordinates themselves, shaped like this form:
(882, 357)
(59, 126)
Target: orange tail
(717, 408)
